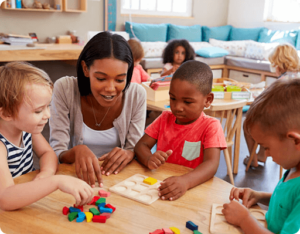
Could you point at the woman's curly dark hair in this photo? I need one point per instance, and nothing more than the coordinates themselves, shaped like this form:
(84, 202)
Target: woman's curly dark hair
(168, 53)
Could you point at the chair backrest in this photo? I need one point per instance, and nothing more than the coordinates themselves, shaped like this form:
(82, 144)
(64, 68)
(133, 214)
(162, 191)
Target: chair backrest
(232, 112)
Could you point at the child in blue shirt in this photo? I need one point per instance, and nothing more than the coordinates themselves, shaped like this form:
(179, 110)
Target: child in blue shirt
(273, 122)
(25, 96)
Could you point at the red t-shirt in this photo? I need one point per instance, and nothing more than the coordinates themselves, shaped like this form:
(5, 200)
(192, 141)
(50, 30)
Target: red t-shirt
(186, 141)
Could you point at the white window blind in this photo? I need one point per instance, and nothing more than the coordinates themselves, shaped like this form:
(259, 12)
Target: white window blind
(157, 7)
(282, 10)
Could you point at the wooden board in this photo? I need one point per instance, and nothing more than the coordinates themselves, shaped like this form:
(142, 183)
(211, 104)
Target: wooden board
(219, 225)
(135, 189)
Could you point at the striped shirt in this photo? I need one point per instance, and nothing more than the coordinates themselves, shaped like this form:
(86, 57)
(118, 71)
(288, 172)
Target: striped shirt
(19, 159)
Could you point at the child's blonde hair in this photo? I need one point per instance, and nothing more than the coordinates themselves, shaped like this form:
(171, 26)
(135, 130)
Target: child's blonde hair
(285, 57)
(13, 78)
(136, 49)
(276, 110)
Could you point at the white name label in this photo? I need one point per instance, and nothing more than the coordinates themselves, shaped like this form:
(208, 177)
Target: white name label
(219, 95)
(240, 95)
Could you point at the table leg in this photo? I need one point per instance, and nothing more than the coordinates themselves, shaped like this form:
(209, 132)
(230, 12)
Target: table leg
(237, 140)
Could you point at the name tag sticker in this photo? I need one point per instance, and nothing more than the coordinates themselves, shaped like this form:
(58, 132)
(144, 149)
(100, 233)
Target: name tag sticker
(219, 95)
(240, 95)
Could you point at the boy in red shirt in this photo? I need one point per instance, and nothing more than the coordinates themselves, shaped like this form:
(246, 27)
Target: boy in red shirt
(185, 136)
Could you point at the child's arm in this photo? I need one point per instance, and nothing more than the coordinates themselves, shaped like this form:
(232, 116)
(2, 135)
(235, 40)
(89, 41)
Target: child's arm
(249, 196)
(166, 72)
(174, 187)
(13, 196)
(48, 159)
(144, 155)
(144, 75)
(238, 215)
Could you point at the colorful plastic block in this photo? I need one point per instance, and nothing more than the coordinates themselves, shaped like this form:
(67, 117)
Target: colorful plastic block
(95, 198)
(73, 209)
(103, 193)
(80, 217)
(175, 230)
(78, 207)
(158, 231)
(65, 210)
(106, 214)
(150, 181)
(88, 216)
(167, 231)
(94, 211)
(100, 200)
(105, 210)
(111, 207)
(72, 216)
(101, 205)
(197, 232)
(99, 219)
(190, 225)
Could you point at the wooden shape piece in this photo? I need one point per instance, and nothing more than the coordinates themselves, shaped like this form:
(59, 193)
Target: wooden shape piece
(106, 214)
(150, 181)
(72, 216)
(158, 231)
(94, 211)
(65, 210)
(78, 207)
(175, 230)
(167, 231)
(135, 189)
(99, 219)
(100, 200)
(80, 217)
(111, 207)
(73, 209)
(88, 216)
(190, 225)
(103, 193)
(197, 232)
(105, 210)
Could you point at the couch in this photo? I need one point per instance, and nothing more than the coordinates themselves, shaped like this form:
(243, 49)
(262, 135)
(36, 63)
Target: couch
(247, 49)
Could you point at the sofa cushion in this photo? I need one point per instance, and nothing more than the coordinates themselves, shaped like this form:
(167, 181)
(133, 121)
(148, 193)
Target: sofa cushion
(260, 51)
(147, 32)
(268, 35)
(190, 33)
(153, 49)
(247, 63)
(212, 52)
(200, 45)
(235, 48)
(219, 33)
(238, 34)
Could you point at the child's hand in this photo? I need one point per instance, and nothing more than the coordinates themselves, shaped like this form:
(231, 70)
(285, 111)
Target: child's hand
(249, 196)
(43, 174)
(175, 67)
(172, 188)
(82, 192)
(235, 213)
(158, 158)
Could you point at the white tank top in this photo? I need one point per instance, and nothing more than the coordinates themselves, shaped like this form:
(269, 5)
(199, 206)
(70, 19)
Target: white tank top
(100, 142)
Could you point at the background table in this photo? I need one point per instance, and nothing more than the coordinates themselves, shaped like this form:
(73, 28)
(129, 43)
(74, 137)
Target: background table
(45, 216)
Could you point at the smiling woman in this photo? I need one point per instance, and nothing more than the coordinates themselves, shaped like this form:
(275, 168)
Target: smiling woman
(99, 114)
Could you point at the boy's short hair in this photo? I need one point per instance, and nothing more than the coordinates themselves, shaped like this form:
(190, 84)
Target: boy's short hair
(13, 78)
(197, 73)
(136, 49)
(276, 110)
(285, 57)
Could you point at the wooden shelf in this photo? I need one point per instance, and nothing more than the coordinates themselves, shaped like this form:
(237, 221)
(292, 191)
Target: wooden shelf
(3, 6)
(82, 4)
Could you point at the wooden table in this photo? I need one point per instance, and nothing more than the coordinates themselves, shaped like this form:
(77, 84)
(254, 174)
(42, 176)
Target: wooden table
(45, 216)
(161, 106)
(48, 52)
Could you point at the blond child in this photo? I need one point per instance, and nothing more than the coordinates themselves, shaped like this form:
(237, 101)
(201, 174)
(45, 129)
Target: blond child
(139, 75)
(273, 121)
(25, 96)
(185, 136)
(176, 53)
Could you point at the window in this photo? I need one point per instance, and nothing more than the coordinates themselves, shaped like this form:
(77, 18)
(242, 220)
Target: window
(157, 7)
(282, 10)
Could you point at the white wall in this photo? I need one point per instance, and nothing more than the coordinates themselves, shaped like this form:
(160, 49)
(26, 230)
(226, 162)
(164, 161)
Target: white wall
(250, 13)
(205, 12)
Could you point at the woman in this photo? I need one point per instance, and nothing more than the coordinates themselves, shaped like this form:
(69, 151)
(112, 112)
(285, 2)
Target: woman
(99, 114)
(285, 63)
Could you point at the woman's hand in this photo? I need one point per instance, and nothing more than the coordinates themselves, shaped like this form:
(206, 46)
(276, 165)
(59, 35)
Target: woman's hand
(249, 196)
(172, 188)
(115, 160)
(87, 165)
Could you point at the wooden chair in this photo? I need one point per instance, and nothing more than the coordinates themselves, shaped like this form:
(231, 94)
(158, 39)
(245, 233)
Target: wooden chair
(232, 111)
(252, 156)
